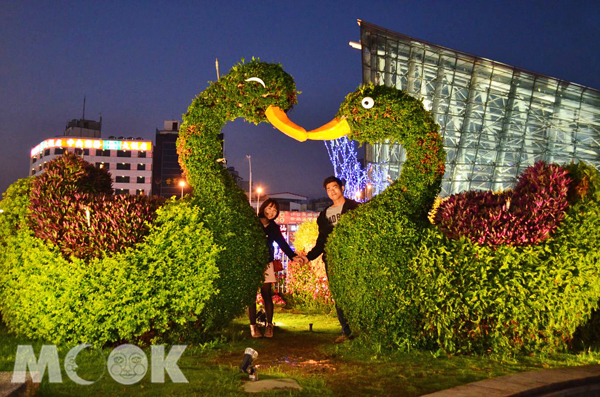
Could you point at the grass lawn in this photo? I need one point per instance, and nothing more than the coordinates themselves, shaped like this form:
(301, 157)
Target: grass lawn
(311, 358)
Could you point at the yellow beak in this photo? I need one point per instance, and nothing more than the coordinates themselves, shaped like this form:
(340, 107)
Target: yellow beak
(335, 129)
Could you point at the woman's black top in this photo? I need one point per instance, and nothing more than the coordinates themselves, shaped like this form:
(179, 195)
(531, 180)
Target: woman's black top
(273, 233)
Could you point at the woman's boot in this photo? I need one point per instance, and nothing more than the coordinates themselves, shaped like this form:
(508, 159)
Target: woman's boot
(254, 331)
(269, 331)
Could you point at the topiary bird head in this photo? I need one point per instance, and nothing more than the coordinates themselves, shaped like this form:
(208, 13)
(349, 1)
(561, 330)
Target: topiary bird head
(369, 114)
(247, 91)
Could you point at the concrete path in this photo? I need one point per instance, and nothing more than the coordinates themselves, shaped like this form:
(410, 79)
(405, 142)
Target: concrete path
(9, 389)
(271, 384)
(581, 381)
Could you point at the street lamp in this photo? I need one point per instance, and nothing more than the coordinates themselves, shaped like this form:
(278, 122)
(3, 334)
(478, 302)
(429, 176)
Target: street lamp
(259, 191)
(182, 184)
(250, 183)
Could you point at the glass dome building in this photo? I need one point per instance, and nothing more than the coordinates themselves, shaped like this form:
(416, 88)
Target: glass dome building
(496, 119)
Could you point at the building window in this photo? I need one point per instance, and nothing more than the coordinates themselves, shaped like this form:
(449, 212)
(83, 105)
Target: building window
(141, 154)
(141, 179)
(123, 166)
(104, 153)
(86, 152)
(122, 179)
(47, 152)
(121, 191)
(78, 151)
(33, 171)
(123, 153)
(139, 192)
(175, 126)
(105, 166)
(34, 159)
(141, 167)
(59, 150)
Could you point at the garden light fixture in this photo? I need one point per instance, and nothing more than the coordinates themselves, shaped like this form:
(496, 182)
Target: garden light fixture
(249, 355)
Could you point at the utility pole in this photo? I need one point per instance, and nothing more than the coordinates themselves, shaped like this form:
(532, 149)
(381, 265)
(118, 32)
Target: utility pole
(250, 182)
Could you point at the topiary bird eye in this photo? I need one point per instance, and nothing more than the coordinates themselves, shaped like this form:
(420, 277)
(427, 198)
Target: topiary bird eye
(367, 102)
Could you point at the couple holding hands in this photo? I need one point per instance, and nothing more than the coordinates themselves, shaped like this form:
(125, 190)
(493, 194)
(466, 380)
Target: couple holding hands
(326, 221)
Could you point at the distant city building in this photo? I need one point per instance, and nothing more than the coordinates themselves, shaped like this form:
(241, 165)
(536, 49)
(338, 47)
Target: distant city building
(287, 201)
(83, 128)
(166, 171)
(319, 204)
(242, 184)
(128, 160)
(495, 119)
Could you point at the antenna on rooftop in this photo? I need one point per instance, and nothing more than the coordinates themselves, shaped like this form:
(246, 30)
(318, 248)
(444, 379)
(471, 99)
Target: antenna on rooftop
(83, 117)
(217, 67)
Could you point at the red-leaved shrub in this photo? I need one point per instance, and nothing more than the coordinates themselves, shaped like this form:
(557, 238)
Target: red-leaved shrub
(525, 215)
(73, 207)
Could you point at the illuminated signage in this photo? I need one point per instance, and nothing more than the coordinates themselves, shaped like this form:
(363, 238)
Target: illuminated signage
(295, 217)
(83, 143)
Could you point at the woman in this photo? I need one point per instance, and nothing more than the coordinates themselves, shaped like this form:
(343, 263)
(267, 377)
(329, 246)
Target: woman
(268, 212)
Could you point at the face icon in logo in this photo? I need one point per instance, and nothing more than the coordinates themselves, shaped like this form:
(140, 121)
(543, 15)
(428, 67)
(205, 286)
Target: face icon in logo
(127, 364)
(71, 366)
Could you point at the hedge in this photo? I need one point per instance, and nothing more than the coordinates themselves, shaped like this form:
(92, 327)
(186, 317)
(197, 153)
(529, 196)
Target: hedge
(155, 292)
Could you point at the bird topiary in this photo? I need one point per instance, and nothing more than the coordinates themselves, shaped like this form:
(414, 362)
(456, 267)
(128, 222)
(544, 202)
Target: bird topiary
(402, 282)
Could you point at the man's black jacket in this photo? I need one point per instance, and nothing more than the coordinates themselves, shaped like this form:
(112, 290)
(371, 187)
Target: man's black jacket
(325, 228)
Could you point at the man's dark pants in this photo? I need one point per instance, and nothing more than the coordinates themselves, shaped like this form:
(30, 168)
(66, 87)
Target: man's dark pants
(340, 314)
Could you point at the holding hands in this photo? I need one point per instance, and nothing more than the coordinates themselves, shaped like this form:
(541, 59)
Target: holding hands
(301, 258)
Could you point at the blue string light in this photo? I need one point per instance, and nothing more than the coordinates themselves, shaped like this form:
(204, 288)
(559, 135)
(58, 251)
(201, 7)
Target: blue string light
(361, 183)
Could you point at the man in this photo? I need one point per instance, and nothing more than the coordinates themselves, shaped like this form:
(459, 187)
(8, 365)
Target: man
(327, 219)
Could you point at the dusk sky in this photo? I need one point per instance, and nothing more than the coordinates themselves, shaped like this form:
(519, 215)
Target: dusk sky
(141, 62)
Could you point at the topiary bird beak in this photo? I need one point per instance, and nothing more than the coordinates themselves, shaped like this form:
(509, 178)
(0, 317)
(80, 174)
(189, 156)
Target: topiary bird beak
(335, 129)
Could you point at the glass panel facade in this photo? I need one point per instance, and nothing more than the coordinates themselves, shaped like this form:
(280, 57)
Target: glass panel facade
(496, 120)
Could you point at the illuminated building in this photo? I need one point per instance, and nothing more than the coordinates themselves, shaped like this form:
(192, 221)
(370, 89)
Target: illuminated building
(128, 160)
(496, 119)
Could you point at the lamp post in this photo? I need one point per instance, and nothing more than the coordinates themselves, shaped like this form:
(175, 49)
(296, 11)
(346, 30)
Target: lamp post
(250, 182)
(182, 184)
(258, 191)
(369, 193)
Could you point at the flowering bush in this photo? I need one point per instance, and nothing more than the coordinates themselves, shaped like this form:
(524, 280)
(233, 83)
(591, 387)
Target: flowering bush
(308, 284)
(526, 215)
(277, 300)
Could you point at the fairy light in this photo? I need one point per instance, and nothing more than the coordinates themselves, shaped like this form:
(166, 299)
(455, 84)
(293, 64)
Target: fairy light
(344, 158)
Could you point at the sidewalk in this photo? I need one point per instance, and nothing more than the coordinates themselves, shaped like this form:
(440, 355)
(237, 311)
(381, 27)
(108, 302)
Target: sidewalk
(571, 381)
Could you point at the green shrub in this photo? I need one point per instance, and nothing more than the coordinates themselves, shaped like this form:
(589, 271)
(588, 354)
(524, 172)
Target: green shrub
(155, 292)
(14, 206)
